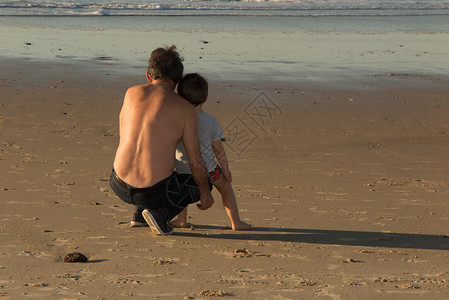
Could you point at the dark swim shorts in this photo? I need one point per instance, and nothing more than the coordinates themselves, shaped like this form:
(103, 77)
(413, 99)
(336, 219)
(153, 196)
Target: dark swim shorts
(175, 193)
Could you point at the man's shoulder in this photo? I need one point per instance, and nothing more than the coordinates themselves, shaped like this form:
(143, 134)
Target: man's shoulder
(136, 91)
(182, 103)
(150, 92)
(137, 88)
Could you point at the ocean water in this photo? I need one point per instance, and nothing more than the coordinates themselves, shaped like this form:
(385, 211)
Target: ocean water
(295, 40)
(223, 7)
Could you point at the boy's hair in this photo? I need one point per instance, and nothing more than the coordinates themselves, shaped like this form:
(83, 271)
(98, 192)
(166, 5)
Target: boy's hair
(194, 88)
(165, 63)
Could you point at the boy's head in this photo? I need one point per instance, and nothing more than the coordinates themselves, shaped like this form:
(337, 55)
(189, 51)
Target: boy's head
(165, 63)
(194, 88)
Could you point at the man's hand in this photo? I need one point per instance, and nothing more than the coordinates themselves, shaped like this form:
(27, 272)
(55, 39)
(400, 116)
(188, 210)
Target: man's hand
(206, 201)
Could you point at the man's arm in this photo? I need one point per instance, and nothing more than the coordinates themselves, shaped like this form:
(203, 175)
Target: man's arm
(220, 155)
(199, 172)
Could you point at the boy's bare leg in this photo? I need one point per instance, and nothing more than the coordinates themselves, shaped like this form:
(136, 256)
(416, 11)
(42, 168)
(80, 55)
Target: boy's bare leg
(230, 203)
(181, 221)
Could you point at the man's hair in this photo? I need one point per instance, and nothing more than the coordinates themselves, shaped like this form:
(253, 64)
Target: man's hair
(165, 63)
(194, 88)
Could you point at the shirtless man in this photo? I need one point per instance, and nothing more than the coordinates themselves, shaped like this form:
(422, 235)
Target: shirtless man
(153, 120)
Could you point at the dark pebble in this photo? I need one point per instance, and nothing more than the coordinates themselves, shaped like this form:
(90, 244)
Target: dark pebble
(75, 257)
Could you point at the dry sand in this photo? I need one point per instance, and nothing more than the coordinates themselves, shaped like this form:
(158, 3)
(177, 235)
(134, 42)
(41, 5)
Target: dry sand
(346, 189)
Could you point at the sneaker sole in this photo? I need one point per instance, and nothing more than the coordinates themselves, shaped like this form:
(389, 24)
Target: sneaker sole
(153, 224)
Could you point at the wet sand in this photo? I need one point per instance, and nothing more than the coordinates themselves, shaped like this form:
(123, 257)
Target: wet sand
(346, 189)
(325, 50)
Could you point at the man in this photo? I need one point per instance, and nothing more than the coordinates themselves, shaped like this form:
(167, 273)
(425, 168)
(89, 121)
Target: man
(153, 120)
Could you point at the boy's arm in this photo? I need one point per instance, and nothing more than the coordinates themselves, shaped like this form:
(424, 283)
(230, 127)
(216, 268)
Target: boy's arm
(220, 155)
(199, 172)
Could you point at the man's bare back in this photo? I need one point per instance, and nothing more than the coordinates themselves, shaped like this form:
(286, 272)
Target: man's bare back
(152, 122)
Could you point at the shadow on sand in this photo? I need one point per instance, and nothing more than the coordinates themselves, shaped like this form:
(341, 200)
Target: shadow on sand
(326, 237)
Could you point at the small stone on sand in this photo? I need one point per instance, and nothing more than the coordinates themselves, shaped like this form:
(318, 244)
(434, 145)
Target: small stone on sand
(75, 257)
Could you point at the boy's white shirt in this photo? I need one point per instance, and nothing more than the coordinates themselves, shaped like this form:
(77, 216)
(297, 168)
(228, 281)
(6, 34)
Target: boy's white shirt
(209, 130)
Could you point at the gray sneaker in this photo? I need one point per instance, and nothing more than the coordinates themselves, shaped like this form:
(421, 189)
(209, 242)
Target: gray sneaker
(157, 219)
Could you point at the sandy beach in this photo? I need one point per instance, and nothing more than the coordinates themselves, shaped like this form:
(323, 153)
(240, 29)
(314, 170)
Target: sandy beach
(346, 189)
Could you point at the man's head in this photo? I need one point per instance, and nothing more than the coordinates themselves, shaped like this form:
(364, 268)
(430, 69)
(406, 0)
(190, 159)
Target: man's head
(165, 63)
(194, 88)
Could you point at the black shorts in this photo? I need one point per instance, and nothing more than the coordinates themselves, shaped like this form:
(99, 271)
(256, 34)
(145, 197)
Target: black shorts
(177, 191)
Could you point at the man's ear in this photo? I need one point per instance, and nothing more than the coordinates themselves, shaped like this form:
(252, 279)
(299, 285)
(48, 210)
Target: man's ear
(149, 78)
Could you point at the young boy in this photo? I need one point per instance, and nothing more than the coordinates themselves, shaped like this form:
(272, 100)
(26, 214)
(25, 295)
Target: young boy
(194, 88)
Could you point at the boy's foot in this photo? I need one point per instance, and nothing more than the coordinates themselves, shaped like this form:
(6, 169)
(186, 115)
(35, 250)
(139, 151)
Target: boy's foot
(157, 220)
(138, 221)
(241, 226)
(178, 224)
